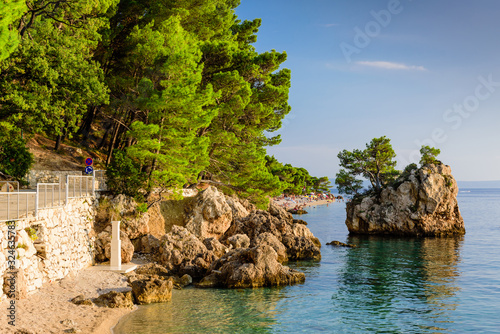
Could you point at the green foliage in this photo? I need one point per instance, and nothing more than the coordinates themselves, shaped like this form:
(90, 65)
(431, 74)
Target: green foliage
(408, 169)
(404, 176)
(251, 103)
(321, 184)
(429, 155)
(142, 207)
(15, 158)
(166, 140)
(175, 88)
(347, 183)
(375, 163)
(50, 80)
(124, 176)
(31, 233)
(296, 180)
(10, 12)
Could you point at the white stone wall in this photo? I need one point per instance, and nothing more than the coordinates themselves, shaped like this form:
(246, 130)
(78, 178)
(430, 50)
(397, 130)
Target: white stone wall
(66, 234)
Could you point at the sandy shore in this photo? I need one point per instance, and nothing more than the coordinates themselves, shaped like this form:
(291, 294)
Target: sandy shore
(304, 202)
(49, 310)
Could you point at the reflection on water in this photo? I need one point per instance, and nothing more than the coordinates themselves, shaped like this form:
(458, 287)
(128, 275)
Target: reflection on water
(207, 311)
(386, 285)
(398, 285)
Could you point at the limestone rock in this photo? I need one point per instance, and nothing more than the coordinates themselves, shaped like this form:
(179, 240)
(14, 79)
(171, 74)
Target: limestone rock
(280, 213)
(340, 244)
(270, 240)
(124, 209)
(209, 215)
(183, 253)
(250, 268)
(239, 241)
(215, 246)
(299, 221)
(114, 299)
(185, 280)
(81, 300)
(258, 222)
(152, 290)
(127, 248)
(422, 204)
(136, 225)
(300, 243)
(238, 209)
(150, 244)
(301, 248)
(151, 269)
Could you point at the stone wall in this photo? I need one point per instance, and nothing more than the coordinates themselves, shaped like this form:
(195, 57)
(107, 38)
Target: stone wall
(64, 244)
(49, 176)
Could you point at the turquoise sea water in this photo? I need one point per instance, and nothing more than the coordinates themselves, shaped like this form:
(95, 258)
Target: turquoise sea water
(386, 285)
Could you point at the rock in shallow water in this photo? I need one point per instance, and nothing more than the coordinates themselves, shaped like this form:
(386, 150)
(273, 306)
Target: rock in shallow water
(422, 204)
(340, 244)
(152, 290)
(250, 268)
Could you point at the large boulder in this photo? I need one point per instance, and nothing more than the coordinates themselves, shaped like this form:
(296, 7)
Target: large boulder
(258, 222)
(250, 268)
(149, 244)
(215, 246)
(423, 203)
(103, 246)
(269, 239)
(152, 269)
(124, 209)
(239, 210)
(209, 215)
(113, 299)
(183, 253)
(298, 240)
(239, 241)
(152, 290)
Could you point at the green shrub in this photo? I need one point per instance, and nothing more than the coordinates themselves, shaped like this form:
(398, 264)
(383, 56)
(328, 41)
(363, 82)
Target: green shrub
(31, 233)
(15, 158)
(124, 176)
(142, 207)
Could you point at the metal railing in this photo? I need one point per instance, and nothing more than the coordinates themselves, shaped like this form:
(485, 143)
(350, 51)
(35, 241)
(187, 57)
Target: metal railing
(50, 195)
(79, 186)
(100, 180)
(16, 205)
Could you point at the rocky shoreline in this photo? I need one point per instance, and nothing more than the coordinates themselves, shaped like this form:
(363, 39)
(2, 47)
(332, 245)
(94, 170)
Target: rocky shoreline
(212, 241)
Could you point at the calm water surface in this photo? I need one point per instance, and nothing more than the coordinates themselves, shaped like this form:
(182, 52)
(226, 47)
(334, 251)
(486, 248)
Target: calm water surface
(386, 285)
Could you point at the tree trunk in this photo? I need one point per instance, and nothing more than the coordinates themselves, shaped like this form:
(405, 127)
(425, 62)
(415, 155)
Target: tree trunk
(58, 143)
(86, 126)
(104, 137)
(112, 144)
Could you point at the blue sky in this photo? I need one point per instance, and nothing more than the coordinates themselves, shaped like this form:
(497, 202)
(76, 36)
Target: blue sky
(416, 71)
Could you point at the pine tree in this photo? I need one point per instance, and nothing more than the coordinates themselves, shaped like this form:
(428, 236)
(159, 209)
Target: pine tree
(10, 12)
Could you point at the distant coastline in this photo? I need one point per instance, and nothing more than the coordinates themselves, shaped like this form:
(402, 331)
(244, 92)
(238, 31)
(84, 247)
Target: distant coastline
(478, 184)
(461, 185)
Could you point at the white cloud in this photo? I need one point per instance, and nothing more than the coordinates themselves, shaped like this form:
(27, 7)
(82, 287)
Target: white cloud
(391, 66)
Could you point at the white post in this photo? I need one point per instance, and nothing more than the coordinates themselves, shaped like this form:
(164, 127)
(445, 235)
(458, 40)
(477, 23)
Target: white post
(116, 249)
